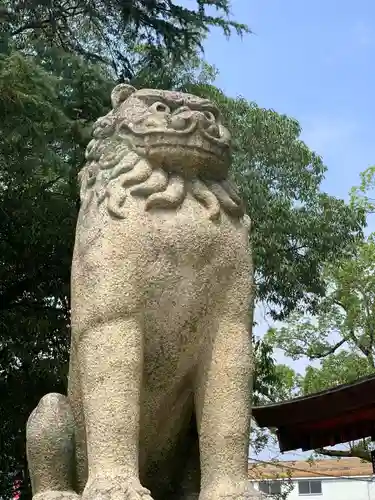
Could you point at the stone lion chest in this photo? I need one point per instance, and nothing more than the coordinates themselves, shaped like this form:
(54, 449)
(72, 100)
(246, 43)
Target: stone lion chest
(159, 393)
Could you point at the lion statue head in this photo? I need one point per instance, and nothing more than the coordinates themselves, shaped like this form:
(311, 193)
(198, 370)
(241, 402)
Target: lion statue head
(160, 145)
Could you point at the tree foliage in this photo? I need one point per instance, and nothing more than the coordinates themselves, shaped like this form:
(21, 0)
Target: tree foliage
(105, 31)
(345, 317)
(340, 338)
(362, 196)
(296, 226)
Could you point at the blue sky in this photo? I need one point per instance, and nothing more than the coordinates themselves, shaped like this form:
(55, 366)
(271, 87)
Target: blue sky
(312, 60)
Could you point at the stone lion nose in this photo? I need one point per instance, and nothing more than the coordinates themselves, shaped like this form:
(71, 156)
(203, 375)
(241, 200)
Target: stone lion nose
(205, 118)
(209, 116)
(185, 116)
(213, 131)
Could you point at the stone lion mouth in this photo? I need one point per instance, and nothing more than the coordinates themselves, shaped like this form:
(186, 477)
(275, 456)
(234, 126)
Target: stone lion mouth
(212, 150)
(196, 140)
(193, 129)
(208, 151)
(189, 158)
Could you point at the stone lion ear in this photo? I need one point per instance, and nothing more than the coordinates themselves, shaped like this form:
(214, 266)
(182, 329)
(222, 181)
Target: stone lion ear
(120, 93)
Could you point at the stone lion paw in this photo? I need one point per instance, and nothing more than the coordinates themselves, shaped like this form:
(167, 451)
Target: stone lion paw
(231, 490)
(57, 495)
(115, 488)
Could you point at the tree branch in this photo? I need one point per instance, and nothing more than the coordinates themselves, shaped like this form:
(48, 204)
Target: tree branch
(329, 351)
(28, 26)
(86, 53)
(362, 454)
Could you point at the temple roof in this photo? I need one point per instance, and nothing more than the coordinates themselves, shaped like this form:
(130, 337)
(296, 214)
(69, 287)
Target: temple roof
(337, 415)
(319, 469)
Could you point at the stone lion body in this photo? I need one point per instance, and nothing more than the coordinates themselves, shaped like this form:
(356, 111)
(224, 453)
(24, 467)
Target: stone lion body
(161, 289)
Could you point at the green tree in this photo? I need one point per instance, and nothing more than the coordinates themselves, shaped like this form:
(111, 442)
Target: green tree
(363, 196)
(297, 228)
(340, 338)
(105, 31)
(345, 318)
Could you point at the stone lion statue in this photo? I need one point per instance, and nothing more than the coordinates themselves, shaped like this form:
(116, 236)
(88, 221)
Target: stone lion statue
(159, 392)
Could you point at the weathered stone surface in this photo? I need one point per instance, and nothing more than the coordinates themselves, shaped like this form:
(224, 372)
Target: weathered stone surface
(161, 291)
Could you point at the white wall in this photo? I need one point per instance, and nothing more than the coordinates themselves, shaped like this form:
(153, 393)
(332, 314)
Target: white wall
(358, 488)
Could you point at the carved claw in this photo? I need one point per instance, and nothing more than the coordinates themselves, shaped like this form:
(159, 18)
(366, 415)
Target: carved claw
(57, 495)
(115, 488)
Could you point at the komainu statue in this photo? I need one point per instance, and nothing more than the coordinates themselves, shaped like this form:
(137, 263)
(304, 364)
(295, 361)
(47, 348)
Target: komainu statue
(159, 395)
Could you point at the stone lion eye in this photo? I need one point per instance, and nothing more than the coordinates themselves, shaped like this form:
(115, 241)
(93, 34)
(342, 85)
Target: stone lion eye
(161, 107)
(209, 115)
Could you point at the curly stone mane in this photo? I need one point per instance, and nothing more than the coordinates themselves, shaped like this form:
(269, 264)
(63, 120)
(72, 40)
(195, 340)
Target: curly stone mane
(117, 167)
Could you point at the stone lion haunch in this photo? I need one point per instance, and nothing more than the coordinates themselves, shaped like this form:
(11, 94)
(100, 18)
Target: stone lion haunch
(158, 401)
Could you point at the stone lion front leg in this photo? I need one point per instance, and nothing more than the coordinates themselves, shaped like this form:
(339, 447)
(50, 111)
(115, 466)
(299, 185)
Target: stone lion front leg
(223, 406)
(110, 359)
